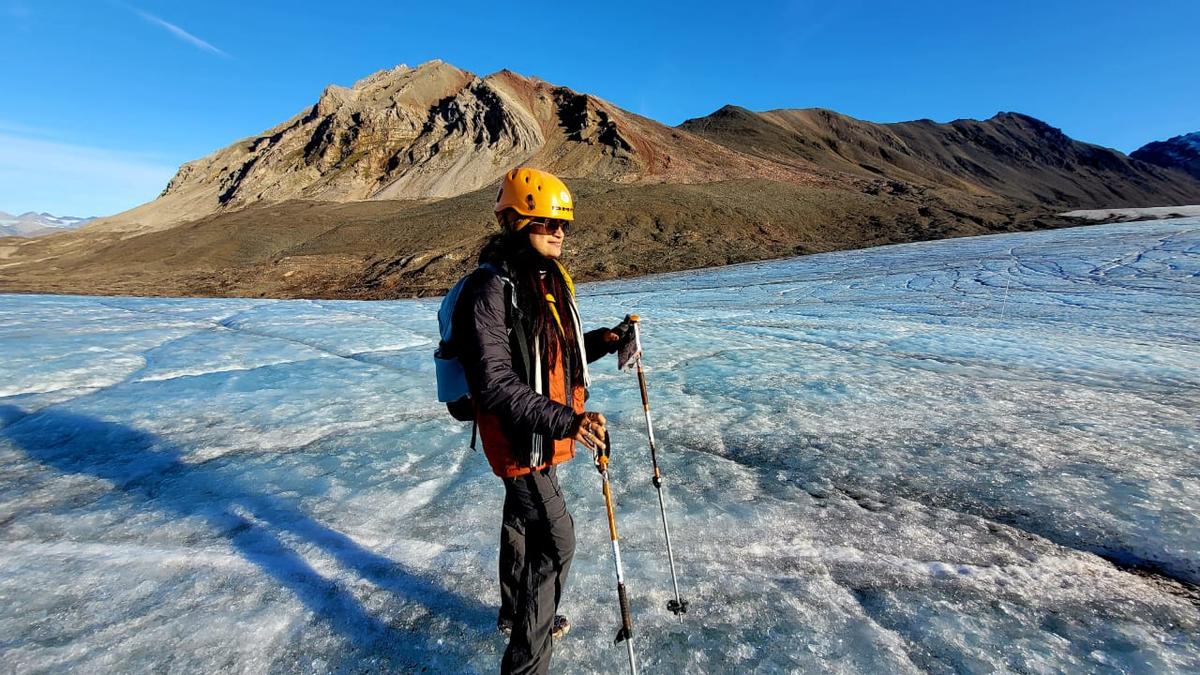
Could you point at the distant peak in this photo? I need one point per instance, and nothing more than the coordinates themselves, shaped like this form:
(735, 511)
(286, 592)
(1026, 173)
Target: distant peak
(511, 75)
(1034, 123)
(1021, 117)
(1192, 138)
(376, 77)
(725, 112)
(1178, 152)
(399, 71)
(729, 110)
(506, 74)
(338, 90)
(435, 64)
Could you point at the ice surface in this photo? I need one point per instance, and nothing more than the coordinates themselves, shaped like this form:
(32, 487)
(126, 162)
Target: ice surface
(962, 456)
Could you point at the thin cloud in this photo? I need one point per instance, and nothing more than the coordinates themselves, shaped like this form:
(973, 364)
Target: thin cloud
(11, 127)
(63, 178)
(179, 32)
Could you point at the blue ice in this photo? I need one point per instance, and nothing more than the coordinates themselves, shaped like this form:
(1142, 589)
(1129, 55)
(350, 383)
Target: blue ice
(972, 455)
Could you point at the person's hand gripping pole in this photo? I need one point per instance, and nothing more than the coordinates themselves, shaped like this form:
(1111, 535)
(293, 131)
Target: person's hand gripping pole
(591, 430)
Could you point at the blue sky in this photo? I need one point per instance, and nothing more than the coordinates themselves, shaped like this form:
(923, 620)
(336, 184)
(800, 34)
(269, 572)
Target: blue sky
(100, 101)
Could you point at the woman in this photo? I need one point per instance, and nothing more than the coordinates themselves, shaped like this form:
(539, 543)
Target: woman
(525, 355)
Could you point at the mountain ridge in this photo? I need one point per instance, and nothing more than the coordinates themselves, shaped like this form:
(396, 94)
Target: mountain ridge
(1009, 155)
(1178, 152)
(433, 132)
(384, 189)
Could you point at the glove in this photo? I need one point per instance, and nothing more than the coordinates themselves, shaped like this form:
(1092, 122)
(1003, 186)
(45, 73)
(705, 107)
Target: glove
(619, 335)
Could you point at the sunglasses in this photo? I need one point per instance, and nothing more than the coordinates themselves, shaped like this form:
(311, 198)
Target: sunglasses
(549, 226)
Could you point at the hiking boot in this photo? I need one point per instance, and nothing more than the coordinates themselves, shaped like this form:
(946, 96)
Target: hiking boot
(560, 627)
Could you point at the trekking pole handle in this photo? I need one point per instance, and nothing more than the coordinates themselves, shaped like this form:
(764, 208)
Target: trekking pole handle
(600, 457)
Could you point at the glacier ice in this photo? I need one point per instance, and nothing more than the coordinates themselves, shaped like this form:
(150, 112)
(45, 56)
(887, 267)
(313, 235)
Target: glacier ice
(960, 456)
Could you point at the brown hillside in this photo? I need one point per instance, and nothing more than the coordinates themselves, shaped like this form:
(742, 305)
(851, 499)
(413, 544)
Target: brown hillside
(1009, 155)
(381, 249)
(385, 189)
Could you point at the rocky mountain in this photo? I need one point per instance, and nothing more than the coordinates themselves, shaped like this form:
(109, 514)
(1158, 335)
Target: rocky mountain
(1009, 155)
(385, 188)
(433, 132)
(1180, 152)
(32, 224)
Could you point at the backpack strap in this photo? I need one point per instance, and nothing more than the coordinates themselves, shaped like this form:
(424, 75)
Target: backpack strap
(514, 317)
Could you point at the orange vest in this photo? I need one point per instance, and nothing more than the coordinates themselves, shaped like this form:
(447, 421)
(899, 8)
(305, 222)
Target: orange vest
(498, 446)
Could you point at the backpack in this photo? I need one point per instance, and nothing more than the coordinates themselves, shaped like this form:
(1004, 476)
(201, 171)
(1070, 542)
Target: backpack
(451, 378)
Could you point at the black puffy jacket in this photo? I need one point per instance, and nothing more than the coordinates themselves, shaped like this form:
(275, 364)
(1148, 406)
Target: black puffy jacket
(493, 339)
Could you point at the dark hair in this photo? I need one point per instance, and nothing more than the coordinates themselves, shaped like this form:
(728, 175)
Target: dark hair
(534, 276)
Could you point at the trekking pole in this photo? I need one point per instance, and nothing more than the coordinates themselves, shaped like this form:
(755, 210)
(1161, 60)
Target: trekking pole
(625, 633)
(678, 606)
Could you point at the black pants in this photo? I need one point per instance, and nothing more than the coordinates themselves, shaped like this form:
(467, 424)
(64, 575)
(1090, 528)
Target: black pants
(537, 543)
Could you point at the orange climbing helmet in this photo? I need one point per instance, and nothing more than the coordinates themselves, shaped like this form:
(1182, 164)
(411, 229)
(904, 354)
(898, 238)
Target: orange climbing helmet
(533, 194)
